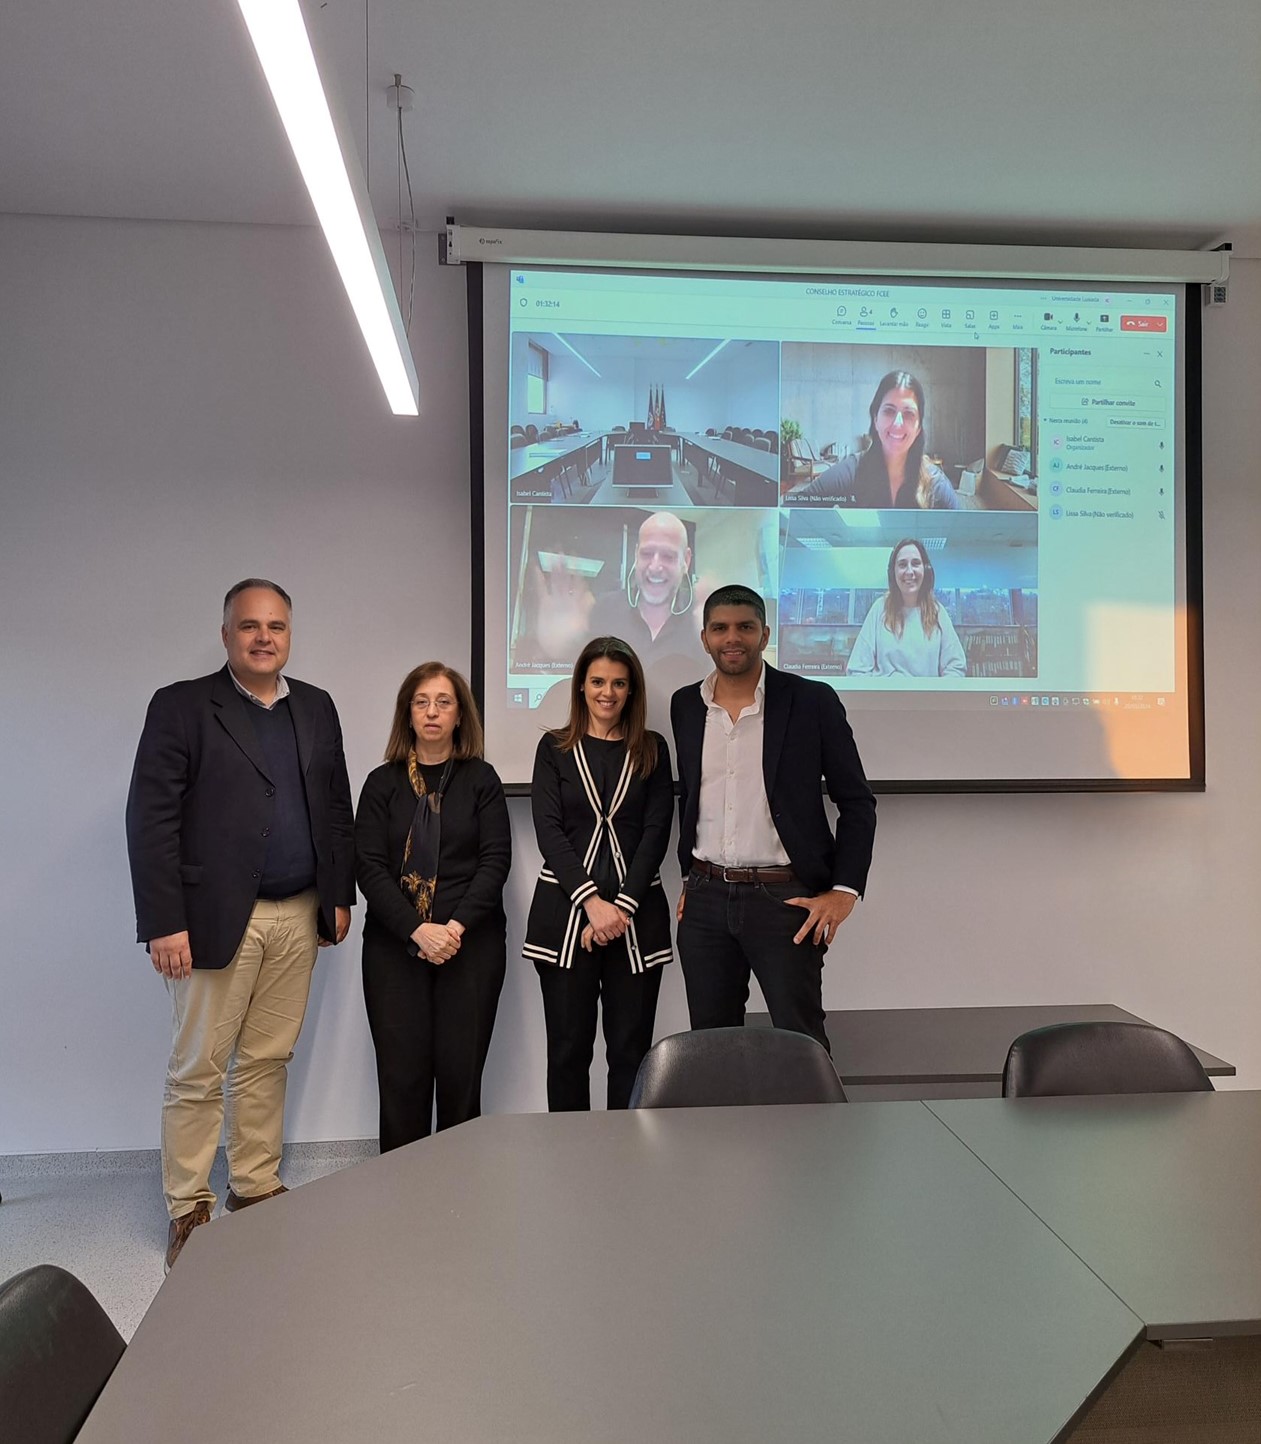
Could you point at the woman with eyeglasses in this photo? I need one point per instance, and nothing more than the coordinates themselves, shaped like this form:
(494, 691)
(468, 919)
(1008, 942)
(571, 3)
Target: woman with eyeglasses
(432, 851)
(908, 632)
(599, 925)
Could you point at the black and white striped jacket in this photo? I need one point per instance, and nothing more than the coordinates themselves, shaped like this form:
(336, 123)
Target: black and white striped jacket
(570, 824)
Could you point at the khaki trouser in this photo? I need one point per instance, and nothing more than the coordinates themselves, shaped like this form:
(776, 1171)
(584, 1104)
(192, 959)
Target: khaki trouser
(234, 1031)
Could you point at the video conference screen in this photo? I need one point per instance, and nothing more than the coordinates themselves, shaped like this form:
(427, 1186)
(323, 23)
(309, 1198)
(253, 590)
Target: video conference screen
(965, 505)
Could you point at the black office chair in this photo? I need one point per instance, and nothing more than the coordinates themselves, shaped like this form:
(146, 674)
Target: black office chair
(57, 1349)
(717, 1067)
(1079, 1058)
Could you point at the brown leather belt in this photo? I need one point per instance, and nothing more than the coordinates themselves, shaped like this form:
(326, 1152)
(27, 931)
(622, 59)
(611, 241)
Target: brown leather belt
(743, 874)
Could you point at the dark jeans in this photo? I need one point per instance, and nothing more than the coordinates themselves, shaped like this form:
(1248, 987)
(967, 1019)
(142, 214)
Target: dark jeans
(431, 1025)
(731, 928)
(628, 1008)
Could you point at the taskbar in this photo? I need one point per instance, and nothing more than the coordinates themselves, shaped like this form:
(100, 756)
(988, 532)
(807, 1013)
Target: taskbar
(523, 698)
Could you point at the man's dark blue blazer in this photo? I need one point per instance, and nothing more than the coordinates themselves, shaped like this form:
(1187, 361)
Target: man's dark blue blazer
(806, 745)
(201, 802)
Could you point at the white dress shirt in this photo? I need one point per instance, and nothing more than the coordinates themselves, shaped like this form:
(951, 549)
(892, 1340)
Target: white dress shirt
(733, 824)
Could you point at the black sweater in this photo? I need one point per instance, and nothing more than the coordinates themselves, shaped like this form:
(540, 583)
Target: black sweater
(473, 860)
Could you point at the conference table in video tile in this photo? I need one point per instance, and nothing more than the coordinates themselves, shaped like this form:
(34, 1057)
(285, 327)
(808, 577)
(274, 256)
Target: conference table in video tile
(841, 1273)
(531, 468)
(750, 477)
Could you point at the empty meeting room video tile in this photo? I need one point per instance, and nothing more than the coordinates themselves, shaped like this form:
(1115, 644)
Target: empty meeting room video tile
(627, 572)
(929, 428)
(630, 420)
(883, 597)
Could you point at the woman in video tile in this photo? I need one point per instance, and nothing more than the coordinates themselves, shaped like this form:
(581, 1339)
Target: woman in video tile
(908, 632)
(599, 925)
(892, 471)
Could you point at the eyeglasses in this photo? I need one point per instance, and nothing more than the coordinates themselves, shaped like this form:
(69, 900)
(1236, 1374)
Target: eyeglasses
(443, 704)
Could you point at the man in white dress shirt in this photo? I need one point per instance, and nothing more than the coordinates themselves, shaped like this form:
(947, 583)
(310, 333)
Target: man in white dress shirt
(767, 883)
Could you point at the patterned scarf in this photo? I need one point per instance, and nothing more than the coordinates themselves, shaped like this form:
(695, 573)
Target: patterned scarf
(420, 857)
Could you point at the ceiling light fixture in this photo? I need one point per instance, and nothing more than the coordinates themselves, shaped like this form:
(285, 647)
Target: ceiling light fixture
(338, 192)
(707, 359)
(577, 353)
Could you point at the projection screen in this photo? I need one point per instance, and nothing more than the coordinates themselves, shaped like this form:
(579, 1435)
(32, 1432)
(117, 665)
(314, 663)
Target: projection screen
(648, 437)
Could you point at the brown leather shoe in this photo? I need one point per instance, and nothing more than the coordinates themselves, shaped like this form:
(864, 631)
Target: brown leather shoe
(234, 1201)
(180, 1229)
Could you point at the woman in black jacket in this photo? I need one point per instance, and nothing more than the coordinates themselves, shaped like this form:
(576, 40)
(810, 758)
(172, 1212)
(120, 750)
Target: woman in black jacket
(599, 926)
(432, 850)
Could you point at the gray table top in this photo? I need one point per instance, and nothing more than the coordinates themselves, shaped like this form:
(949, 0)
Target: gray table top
(526, 459)
(949, 1045)
(1159, 1193)
(841, 1273)
(751, 458)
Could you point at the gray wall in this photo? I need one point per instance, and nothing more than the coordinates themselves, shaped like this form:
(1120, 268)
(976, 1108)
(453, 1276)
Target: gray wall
(184, 405)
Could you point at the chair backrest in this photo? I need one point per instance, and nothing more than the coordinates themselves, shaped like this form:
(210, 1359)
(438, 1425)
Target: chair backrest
(716, 1067)
(762, 443)
(57, 1349)
(1078, 1058)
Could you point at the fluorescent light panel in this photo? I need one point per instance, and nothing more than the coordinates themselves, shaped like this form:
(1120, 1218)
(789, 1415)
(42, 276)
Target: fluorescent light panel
(708, 358)
(337, 191)
(577, 353)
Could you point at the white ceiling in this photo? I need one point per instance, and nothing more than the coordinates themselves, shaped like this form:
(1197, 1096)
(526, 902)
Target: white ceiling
(1129, 122)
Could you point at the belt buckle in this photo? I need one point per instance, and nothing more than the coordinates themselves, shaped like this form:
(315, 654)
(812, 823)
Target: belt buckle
(726, 870)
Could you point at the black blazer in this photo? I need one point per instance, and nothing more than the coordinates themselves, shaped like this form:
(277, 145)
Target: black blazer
(565, 823)
(199, 805)
(474, 854)
(805, 738)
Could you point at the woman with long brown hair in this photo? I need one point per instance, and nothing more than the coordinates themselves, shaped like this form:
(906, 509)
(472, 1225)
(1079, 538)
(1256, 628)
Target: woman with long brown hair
(432, 851)
(908, 632)
(599, 925)
(893, 471)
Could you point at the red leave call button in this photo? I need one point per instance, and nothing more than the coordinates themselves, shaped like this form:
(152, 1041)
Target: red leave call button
(1144, 323)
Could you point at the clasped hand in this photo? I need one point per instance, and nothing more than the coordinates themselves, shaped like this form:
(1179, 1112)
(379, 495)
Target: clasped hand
(606, 922)
(438, 942)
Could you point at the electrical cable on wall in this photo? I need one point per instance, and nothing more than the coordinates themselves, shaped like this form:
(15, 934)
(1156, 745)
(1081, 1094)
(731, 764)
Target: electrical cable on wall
(400, 97)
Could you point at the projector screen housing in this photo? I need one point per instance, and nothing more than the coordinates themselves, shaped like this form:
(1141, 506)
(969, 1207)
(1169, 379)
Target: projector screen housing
(1058, 507)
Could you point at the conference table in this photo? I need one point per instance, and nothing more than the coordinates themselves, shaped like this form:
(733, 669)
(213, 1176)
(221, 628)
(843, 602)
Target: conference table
(971, 1272)
(529, 467)
(888, 1053)
(752, 473)
(1159, 1194)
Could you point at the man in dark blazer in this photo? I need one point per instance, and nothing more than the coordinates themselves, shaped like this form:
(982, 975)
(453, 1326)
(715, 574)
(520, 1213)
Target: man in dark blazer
(240, 834)
(766, 881)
